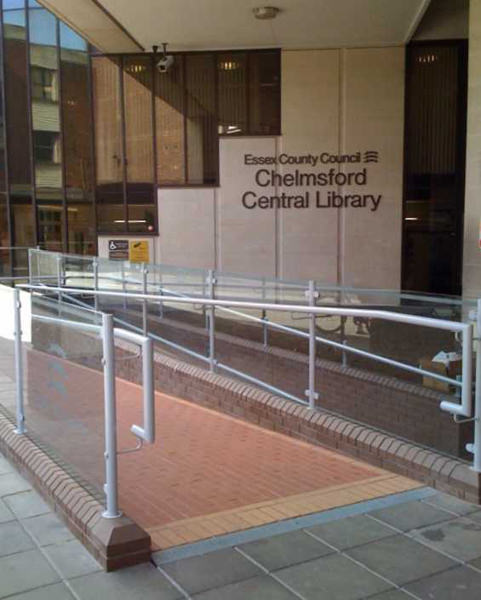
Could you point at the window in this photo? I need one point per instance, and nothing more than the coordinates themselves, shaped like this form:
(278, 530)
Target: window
(44, 86)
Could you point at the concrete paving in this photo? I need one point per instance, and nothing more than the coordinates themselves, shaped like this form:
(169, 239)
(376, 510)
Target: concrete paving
(420, 544)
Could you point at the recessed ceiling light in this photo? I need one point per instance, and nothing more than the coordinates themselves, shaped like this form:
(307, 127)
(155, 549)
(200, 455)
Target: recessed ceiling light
(265, 12)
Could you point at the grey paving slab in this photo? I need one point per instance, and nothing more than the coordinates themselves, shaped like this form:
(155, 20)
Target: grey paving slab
(258, 588)
(72, 559)
(24, 571)
(333, 577)
(213, 570)
(143, 582)
(411, 515)
(5, 466)
(57, 591)
(475, 516)
(460, 583)
(5, 513)
(452, 504)
(27, 504)
(12, 483)
(287, 549)
(14, 539)
(400, 559)
(392, 595)
(350, 532)
(47, 529)
(460, 538)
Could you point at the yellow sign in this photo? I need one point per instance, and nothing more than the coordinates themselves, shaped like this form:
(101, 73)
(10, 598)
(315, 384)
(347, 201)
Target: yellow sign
(139, 251)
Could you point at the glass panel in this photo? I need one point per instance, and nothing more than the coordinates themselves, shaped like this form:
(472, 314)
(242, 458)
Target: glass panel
(16, 90)
(3, 182)
(108, 138)
(76, 116)
(232, 93)
(169, 122)
(264, 93)
(64, 400)
(47, 143)
(202, 138)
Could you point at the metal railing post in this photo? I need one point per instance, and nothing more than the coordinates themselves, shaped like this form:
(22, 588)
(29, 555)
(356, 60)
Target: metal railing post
(311, 391)
(264, 315)
(95, 268)
(204, 310)
(211, 285)
(161, 304)
(145, 272)
(29, 258)
(59, 276)
(477, 395)
(18, 363)
(124, 285)
(112, 509)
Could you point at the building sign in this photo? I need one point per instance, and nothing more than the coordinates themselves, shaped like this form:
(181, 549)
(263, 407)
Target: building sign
(139, 251)
(119, 249)
(324, 180)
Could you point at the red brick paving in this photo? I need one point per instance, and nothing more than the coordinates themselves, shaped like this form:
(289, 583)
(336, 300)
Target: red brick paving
(202, 462)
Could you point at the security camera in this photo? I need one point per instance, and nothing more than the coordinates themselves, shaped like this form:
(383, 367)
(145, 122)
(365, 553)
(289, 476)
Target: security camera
(165, 62)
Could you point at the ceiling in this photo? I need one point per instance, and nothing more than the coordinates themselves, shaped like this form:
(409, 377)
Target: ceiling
(126, 25)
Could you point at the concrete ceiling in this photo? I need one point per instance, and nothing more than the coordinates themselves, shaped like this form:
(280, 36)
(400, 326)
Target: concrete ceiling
(127, 25)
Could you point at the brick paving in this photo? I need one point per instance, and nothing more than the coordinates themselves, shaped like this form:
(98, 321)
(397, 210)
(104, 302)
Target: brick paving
(207, 473)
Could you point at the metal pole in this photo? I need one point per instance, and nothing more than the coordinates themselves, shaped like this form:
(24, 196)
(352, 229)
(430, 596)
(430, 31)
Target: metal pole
(204, 310)
(145, 272)
(264, 315)
(477, 395)
(161, 304)
(18, 363)
(95, 267)
(30, 277)
(124, 287)
(311, 391)
(343, 341)
(112, 509)
(211, 284)
(59, 277)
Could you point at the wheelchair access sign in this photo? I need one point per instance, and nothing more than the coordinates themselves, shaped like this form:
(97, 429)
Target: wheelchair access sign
(119, 249)
(132, 250)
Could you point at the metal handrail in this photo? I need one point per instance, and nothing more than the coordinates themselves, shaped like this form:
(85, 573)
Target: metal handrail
(462, 409)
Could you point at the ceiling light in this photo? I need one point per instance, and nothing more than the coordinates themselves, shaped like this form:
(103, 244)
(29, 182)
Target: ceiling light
(265, 12)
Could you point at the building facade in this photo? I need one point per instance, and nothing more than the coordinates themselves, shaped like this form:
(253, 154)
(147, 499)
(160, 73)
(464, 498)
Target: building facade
(341, 163)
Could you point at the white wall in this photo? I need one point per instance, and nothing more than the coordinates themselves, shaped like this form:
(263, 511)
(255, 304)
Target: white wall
(335, 101)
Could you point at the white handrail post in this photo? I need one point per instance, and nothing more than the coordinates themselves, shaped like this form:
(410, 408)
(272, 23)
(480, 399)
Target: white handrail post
(312, 294)
(18, 363)
(112, 509)
(145, 272)
(59, 276)
(95, 267)
(211, 284)
(161, 304)
(124, 287)
(264, 315)
(477, 395)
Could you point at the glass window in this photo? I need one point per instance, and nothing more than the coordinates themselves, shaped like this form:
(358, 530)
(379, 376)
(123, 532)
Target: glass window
(138, 118)
(264, 93)
(50, 226)
(81, 228)
(76, 117)
(47, 142)
(170, 124)
(111, 216)
(201, 119)
(16, 98)
(232, 93)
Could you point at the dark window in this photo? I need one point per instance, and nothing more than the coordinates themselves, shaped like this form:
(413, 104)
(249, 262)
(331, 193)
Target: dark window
(435, 135)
